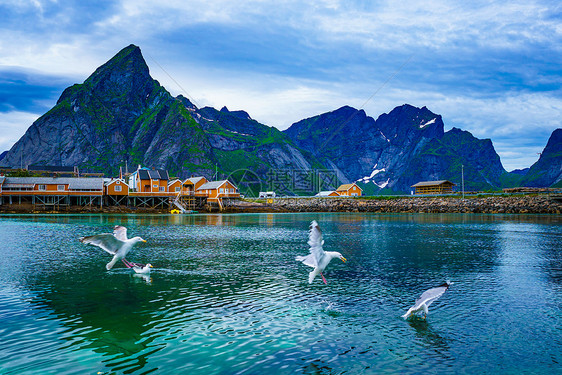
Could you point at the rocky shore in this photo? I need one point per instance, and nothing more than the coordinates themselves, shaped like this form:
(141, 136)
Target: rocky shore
(523, 204)
(514, 204)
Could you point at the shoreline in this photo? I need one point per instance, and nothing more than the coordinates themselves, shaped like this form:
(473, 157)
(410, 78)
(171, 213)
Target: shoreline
(520, 204)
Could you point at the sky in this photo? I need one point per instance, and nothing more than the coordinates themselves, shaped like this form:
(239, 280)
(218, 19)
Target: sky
(493, 68)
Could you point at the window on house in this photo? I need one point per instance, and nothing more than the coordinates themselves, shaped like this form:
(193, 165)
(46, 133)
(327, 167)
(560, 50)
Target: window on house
(222, 190)
(155, 186)
(178, 188)
(117, 188)
(41, 187)
(60, 187)
(162, 188)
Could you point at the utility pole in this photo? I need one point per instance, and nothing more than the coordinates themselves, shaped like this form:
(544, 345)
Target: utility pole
(462, 179)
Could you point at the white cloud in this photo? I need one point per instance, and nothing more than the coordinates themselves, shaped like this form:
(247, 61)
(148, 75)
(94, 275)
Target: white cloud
(366, 40)
(13, 126)
(393, 25)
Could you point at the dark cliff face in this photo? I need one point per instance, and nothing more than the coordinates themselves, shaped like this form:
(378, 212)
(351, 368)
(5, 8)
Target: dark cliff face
(400, 148)
(346, 138)
(547, 171)
(94, 124)
(456, 153)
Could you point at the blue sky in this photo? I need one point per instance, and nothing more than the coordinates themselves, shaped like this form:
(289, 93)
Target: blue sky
(493, 68)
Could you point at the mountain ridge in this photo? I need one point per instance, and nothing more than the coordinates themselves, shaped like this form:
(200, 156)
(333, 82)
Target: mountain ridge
(120, 114)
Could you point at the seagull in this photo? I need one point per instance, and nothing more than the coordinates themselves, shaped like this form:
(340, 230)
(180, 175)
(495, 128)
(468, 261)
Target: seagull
(115, 244)
(318, 258)
(426, 299)
(144, 269)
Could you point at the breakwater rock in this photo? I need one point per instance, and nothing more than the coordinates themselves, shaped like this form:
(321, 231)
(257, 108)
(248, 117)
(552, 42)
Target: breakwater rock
(542, 204)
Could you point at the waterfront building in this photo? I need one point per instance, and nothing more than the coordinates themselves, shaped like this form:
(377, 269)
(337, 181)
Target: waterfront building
(349, 190)
(215, 190)
(145, 180)
(434, 187)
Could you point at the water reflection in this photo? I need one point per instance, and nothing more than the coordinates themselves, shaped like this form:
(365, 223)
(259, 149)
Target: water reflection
(227, 296)
(430, 338)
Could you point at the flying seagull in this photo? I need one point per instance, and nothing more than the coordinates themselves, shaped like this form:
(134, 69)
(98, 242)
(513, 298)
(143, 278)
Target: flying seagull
(318, 258)
(426, 299)
(115, 244)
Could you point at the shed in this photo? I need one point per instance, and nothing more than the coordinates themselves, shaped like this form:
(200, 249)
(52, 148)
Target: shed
(331, 193)
(434, 187)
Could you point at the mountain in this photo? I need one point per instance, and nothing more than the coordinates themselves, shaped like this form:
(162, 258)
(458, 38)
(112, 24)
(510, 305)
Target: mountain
(398, 149)
(121, 115)
(547, 171)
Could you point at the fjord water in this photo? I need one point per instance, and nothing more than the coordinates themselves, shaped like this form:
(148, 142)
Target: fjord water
(226, 295)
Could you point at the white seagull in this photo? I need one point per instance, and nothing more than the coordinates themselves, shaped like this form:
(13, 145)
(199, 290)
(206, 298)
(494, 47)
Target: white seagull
(142, 269)
(318, 258)
(115, 244)
(426, 299)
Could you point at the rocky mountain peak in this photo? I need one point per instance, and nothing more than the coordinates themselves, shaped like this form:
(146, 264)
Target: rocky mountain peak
(554, 143)
(406, 118)
(240, 114)
(127, 64)
(547, 171)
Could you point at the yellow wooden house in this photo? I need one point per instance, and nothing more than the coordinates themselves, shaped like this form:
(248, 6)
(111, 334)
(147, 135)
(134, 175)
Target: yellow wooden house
(349, 190)
(175, 185)
(218, 189)
(116, 186)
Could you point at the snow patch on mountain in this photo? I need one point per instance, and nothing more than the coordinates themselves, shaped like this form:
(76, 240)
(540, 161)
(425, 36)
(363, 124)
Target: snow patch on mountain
(373, 174)
(382, 185)
(423, 125)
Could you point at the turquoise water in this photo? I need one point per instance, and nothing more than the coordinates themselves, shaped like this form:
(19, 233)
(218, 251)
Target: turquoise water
(227, 297)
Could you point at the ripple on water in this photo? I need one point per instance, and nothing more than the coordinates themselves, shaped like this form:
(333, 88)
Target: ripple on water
(227, 296)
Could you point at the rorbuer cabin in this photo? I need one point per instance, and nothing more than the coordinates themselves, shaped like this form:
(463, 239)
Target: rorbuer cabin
(434, 187)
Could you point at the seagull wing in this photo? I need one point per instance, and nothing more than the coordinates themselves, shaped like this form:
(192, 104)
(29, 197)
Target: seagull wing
(316, 242)
(120, 233)
(429, 296)
(106, 241)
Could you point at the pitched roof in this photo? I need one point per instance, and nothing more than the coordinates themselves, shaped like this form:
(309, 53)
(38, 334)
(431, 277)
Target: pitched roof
(432, 183)
(325, 193)
(113, 180)
(212, 185)
(154, 174)
(74, 183)
(143, 174)
(194, 180)
(346, 187)
(86, 184)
